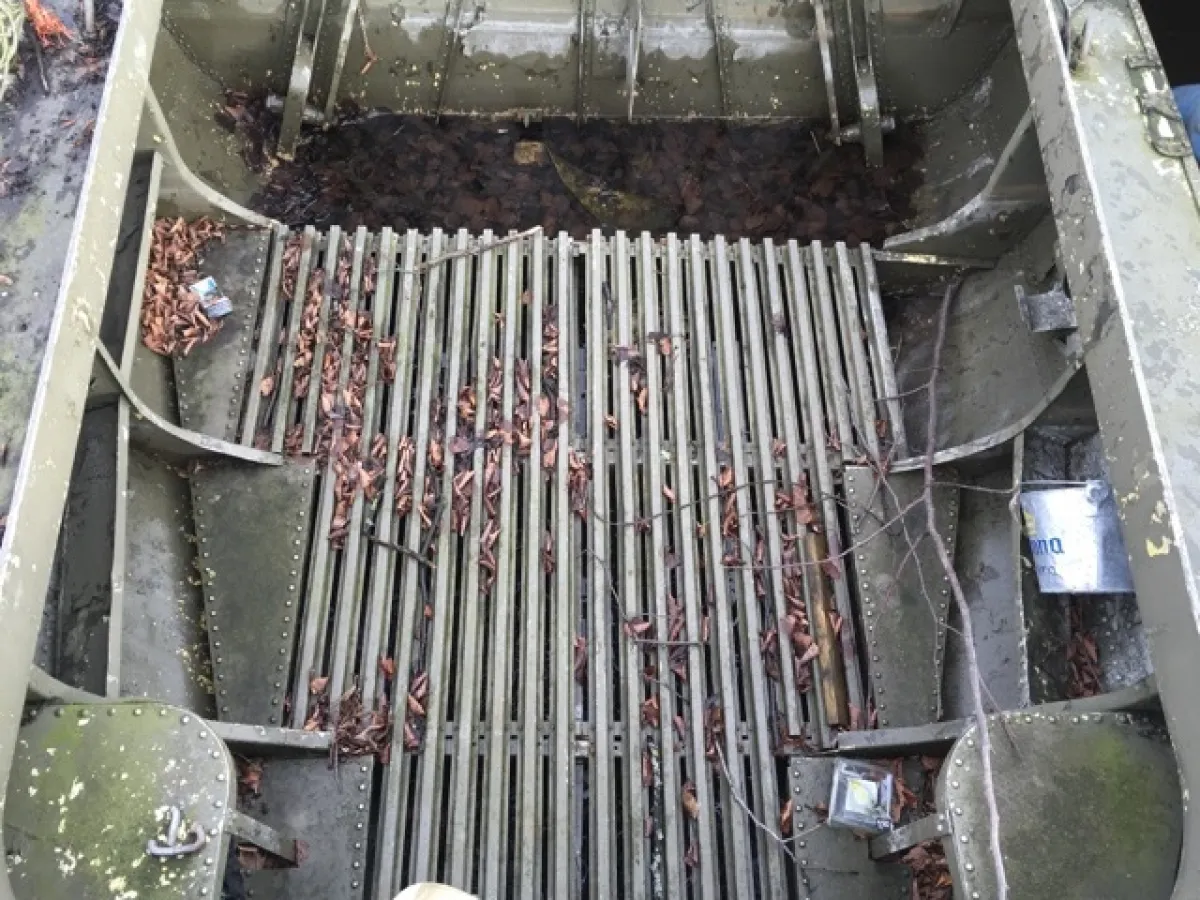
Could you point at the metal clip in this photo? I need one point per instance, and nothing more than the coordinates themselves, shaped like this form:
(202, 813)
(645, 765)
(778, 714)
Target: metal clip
(172, 846)
(1164, 126)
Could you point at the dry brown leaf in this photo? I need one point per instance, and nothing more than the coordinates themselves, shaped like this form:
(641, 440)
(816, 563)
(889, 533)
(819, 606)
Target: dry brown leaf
(690, 804)
(318, 685)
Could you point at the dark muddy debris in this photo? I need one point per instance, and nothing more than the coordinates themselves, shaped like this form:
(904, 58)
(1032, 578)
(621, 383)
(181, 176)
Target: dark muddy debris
(779, 181)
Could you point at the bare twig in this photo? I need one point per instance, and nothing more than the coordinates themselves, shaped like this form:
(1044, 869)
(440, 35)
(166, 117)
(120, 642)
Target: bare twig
(985, 743)
(762, 826)
(403, 551)
(470, 251)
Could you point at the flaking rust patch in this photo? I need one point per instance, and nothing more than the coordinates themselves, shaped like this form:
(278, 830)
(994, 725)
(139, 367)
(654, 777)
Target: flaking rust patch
(1153, 549)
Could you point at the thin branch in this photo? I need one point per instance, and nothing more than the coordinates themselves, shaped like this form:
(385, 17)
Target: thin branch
(762, 826)
(985, 743)
(470, 251)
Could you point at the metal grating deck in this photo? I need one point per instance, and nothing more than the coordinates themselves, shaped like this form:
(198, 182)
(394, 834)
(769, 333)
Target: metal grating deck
(576, 495)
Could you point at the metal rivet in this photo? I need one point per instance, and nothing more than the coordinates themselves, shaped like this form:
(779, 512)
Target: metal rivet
(215, 754)
(970, 867)
(208, 861)
(954, 784)
(964, 838)
(111, 711)
(218, 804)
(958, 762)
(356, 865)
(185, 719)
(361, 807)
(137, 711)
(970, 743)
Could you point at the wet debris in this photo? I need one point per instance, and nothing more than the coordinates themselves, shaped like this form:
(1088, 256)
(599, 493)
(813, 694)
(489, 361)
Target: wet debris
(173, 319)
(47, 27)
(1083, 656)
(696, 177)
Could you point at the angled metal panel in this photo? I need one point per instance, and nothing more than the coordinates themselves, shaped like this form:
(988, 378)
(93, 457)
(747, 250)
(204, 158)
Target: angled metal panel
(90, 786)
(253, 528)
(834, 863)
(211, 380)
(326, 811)
(902, 590)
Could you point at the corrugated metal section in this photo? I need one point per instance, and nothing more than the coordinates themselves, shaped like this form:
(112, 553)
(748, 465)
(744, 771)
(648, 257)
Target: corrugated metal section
(569, 486)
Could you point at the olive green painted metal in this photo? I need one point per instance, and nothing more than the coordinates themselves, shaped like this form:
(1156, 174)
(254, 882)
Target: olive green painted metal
(275, 843)
(834, 862)
(329, 812)
(252, 529)
(92, 784)
(264, 741)
(210, 382)
(1129, 230)
(902, 590)
(939, 737)
(163, 437)
(1090, 807)
(56, 400)
(997, 377)
(562, 58)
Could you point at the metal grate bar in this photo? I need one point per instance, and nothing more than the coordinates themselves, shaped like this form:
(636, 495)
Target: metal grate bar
(751, 631)
(462, 826)
(430, 801)
(669, 848)
(851, 326)
(627, 598)
(765, 435)
(881, 352)
(597, 341)
(494, 861)
(531, 820)
(566, 553)
(382, 558)
(833, 379)
(409, 577)
(686, 577)
(332, 261)
(803, 315)
(347, 597)
(736, 827)
(268, 339)
(791, 405)
(284, 391)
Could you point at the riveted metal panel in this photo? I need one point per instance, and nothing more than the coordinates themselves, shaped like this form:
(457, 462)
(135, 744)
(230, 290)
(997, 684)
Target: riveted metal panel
(252, 527)
(210, 381)
(91, 784)
(902, 589)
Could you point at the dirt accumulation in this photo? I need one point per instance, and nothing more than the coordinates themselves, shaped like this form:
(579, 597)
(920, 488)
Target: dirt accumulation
(779, 181)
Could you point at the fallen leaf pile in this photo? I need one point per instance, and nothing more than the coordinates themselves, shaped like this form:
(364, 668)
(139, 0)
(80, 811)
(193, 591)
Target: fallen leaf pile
(414, 712)
(931, 875)
(1083, 657)
(796, 517)
(47, 26)
(782, 181)
(361, 732)
(173, 324)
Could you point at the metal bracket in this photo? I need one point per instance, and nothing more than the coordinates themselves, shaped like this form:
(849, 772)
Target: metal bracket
(586, 45)
(719, 26)
(634, 53)
(451, 45)
(263, 836)
(898, 840)
(171, 440)
(1165, 128)
(1050, 310)
(300, 80)
(872, 124)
